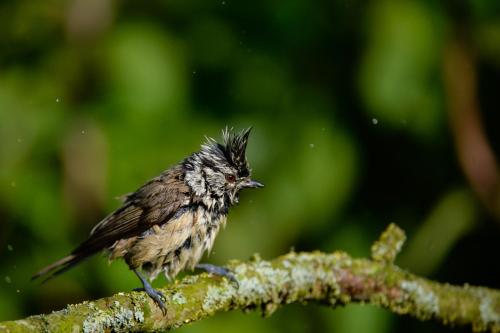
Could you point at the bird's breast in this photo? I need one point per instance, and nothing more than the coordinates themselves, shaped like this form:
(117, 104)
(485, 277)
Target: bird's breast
(178, 244)
(205, 228)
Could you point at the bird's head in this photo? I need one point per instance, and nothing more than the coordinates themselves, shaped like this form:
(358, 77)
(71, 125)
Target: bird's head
(220, 171)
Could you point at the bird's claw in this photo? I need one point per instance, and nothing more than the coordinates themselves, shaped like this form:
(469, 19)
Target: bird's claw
(218, 270)
(156, 295)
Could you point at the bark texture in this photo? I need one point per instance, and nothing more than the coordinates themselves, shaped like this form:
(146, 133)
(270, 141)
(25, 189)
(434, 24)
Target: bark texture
(331, 279)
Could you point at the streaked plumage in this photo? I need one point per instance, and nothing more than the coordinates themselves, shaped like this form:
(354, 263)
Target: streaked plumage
(172, 220)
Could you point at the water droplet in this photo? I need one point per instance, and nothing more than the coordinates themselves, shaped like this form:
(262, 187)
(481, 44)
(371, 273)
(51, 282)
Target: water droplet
(18, 291)
(58, 100)
(7, 279)
(19, 140)
(311, 145)
(13, 184)
(10, 247)
(374, 121)
(194, 72)
(223, 3)
(83, 131)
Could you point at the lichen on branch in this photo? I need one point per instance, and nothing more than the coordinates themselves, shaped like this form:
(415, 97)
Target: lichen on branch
(330, 279)
(389, 244)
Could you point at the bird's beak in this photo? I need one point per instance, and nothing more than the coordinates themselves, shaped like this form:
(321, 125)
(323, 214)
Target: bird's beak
(249, 183)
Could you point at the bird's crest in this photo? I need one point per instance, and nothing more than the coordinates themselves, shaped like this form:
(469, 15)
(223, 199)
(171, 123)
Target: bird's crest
(233, 149)
(235, 145)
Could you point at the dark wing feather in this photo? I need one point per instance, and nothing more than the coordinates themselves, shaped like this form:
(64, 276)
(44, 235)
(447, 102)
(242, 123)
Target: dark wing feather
(154, 203)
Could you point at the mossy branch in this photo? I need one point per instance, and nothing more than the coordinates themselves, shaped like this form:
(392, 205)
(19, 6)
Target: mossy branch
(331, 279)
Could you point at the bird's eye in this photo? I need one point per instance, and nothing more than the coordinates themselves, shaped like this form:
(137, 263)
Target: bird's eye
(231, 178)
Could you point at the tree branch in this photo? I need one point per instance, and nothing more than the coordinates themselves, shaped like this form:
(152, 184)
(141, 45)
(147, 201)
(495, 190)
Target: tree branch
(330, 279)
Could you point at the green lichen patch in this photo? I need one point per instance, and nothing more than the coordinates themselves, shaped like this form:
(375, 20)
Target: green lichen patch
(389, 244)
(116, 318)
(178, 298)
(215, 298)
(425, 300)
(489, 308)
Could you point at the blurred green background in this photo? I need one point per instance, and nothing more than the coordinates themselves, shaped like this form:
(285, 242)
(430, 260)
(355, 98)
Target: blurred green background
(353, 129)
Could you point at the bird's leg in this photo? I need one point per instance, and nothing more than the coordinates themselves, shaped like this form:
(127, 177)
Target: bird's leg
(217, 270)
(152, 292)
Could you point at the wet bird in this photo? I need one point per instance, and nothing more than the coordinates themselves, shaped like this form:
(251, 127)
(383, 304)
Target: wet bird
(172, 220)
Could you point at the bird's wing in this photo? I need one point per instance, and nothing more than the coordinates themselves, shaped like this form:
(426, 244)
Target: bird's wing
(156, 202)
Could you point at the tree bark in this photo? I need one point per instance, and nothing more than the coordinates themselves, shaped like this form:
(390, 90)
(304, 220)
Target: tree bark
(331, 279)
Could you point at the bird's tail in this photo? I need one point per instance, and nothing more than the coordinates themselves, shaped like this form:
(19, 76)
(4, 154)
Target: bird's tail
(59, 266)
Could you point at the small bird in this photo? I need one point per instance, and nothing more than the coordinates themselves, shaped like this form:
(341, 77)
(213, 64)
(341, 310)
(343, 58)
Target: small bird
(172, 220)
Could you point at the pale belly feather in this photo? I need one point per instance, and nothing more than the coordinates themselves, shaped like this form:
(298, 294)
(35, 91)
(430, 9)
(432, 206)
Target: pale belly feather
(176, 245)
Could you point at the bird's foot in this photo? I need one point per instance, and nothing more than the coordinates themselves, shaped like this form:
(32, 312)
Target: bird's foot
(218, 270)
(155, 295)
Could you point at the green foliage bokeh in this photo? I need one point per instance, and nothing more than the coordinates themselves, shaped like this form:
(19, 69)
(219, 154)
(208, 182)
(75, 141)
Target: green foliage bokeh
(350, 133)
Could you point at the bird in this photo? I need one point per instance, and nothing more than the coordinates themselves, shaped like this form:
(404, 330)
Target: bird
(168, 224)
